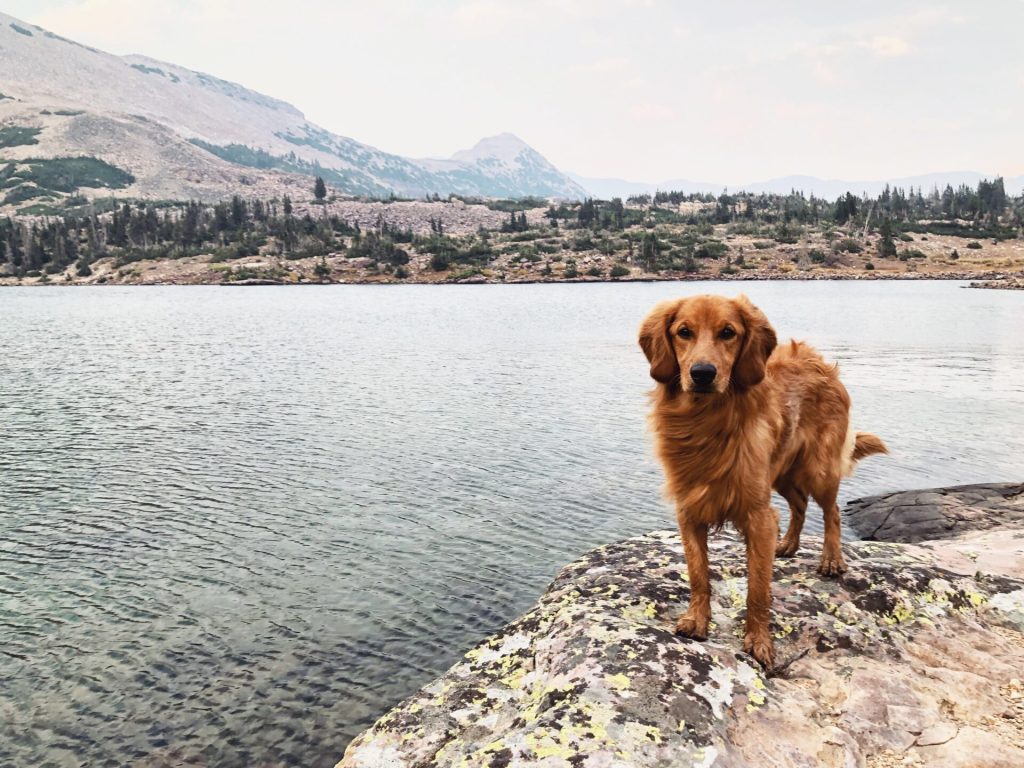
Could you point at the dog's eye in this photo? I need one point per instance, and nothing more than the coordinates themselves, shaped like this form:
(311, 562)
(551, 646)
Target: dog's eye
(726, 333)
(685, 332)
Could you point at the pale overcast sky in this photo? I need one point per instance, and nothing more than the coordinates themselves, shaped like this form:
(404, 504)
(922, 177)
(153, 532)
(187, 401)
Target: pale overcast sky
(728, 92)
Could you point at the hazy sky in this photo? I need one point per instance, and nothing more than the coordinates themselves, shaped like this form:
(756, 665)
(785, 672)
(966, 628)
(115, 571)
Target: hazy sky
(723, 91)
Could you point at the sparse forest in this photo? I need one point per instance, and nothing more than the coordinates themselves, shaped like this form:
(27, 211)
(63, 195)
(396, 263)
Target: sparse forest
(667, 234)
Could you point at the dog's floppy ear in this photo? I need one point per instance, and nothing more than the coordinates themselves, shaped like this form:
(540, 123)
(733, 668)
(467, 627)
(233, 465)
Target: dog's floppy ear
(758, 342)
(655, 342)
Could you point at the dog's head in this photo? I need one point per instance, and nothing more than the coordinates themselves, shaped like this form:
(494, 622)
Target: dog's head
(707, 343)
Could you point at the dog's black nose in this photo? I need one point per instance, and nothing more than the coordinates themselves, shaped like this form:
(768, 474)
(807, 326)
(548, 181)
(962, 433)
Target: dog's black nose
(703, 374)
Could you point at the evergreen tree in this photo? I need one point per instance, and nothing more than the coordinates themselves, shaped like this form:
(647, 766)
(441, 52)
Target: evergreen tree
(320, 189)
(886, 245)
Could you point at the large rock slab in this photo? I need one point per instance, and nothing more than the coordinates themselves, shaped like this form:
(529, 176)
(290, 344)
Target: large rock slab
(936, 513)
(900, 661)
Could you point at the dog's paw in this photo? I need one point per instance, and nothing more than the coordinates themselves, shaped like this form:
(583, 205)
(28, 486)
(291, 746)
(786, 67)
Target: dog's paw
(786, 548)
(832, 564)
(695, 628)
(761, 647)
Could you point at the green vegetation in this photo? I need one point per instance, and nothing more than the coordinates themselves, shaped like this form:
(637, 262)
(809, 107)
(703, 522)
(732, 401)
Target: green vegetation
(847, 245)
(240, 154)
(148, 70)
(18, 136)
(24, 192)
(514, 205)
(43, 177)
(21, 30)
(321, 270)
(886, 245)
(670, 234)
(227, 231)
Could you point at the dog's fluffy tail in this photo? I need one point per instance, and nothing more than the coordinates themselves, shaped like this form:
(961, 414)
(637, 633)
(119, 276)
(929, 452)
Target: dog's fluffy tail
(866, 444)
(858, 446)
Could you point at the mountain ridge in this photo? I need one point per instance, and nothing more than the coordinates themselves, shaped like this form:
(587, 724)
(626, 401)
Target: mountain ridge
(226, 136)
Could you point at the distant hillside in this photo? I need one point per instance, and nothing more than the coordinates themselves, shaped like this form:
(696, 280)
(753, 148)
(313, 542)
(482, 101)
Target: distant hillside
(177, 133)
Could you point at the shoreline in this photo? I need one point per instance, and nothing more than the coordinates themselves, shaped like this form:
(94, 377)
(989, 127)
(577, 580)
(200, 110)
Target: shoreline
(983, 280)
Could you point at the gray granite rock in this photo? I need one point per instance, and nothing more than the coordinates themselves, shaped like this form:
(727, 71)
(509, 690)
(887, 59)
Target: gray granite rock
(898, 658)
(941, 513)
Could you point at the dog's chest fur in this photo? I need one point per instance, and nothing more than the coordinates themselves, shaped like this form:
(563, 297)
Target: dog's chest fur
(717, 460)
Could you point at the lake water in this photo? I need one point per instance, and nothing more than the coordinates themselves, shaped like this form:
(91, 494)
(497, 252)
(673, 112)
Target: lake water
(237, 524)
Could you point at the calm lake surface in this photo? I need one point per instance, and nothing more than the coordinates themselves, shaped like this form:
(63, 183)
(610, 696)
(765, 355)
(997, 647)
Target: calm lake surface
(238, 524)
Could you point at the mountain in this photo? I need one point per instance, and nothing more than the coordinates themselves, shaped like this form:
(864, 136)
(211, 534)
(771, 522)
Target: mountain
(607, 188)
(825, 188)
(170, 132)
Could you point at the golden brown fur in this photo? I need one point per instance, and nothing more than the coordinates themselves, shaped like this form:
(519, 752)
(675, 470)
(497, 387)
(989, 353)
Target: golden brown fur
(773, 417)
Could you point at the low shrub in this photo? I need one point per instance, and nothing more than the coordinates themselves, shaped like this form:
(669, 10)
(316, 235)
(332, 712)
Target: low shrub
(711, 249)
(18, 136)
(847, 245)
(912, 253)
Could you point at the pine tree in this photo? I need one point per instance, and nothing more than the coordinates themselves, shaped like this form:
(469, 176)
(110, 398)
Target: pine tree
(886, 245)
(320, 189)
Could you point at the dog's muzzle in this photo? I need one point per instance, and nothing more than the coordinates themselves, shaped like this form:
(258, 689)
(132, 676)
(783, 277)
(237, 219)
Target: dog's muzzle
(703, 376)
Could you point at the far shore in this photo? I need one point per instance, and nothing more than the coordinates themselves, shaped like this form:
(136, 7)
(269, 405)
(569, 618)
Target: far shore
(512, 242)
(986, 280)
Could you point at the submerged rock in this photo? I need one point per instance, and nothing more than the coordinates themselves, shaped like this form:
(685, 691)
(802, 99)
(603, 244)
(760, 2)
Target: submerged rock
(900, 659)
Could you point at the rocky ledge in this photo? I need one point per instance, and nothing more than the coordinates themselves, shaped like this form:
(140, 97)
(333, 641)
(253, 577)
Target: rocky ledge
(913, 657)
(937, 513)
(1009, 283)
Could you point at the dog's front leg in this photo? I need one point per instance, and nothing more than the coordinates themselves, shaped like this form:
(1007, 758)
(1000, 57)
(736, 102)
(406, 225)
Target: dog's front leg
(762, 531)
(694, 623)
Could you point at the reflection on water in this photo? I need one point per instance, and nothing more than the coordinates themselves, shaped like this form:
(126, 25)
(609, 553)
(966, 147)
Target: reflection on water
(238, 524)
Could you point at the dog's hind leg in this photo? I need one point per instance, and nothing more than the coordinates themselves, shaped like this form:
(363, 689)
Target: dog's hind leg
(694, 623)
(797, 500)
(832, 563)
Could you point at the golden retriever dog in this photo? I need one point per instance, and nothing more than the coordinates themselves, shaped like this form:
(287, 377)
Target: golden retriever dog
(734, 415)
